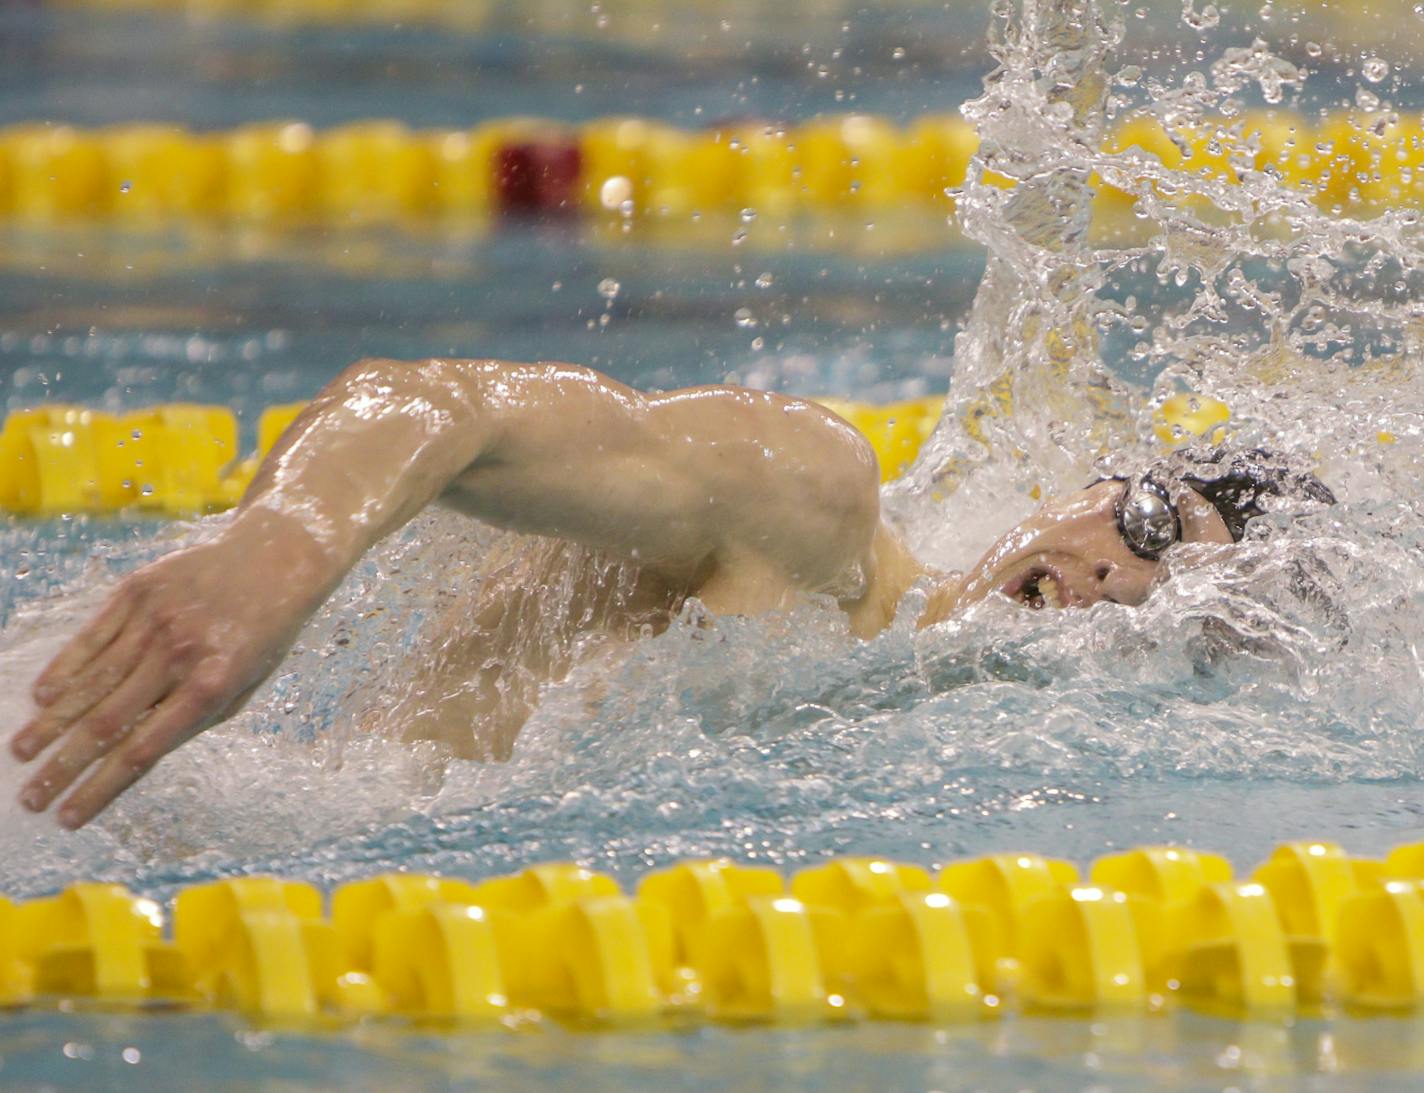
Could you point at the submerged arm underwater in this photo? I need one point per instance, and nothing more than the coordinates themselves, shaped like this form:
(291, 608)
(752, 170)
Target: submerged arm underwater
(739, 497)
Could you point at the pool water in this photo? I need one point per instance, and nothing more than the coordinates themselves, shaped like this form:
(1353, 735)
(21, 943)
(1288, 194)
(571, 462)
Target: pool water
(111, 1051)
(1229, 713)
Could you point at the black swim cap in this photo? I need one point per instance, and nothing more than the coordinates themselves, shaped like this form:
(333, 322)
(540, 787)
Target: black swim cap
(1235, 481)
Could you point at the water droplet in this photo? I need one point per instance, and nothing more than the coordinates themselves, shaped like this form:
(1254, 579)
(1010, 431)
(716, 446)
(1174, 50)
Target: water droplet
(1375, 69)
(1206, 19)
(609, 288)
(615, 191)
(744, 318)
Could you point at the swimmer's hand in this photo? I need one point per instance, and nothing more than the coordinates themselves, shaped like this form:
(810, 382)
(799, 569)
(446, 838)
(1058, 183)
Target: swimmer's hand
(180, 645)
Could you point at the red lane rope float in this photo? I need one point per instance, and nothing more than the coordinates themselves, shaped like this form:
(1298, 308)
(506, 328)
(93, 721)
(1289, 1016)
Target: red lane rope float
(1310, 932)
(287, 173)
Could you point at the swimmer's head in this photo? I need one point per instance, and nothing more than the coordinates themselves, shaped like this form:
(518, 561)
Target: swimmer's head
(1106, 542)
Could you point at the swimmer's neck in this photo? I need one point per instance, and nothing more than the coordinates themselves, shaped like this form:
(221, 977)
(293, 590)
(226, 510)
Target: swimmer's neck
(944, 597)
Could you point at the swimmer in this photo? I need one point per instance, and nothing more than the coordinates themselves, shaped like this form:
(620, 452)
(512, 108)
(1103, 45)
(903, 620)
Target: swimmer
(740, 498)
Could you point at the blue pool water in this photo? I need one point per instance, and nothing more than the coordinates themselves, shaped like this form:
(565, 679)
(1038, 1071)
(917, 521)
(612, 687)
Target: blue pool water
(1227, 713)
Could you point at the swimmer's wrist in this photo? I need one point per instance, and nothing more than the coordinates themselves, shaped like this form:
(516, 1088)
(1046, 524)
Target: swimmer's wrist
(307, 559)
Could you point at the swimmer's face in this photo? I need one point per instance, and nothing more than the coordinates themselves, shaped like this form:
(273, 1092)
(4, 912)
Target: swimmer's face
(1072, 553)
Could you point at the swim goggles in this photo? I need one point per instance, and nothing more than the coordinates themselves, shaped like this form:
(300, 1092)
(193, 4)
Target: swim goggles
(1146, 518)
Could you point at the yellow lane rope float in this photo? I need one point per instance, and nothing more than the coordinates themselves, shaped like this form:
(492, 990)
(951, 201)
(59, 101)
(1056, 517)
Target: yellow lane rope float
(1312, 931)
(182, 459)
(289, 174)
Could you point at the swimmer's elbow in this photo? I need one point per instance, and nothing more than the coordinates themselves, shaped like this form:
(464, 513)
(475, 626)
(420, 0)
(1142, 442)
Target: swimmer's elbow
(441, 391)
(407, 377)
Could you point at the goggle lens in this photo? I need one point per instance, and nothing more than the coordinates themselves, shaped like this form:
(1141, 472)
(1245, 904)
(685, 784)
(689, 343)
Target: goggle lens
(1147, 519)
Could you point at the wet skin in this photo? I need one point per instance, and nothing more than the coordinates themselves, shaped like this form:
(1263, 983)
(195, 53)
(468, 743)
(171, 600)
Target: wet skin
(743, 499)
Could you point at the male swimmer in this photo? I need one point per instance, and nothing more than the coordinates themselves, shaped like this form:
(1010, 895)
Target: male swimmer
(740, 498)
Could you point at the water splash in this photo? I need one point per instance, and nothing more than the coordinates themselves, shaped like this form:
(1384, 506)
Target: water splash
(1227, 283)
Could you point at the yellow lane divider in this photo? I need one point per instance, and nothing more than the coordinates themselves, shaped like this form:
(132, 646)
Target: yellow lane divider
(289, 174)
(1312, 931)
(177, 459)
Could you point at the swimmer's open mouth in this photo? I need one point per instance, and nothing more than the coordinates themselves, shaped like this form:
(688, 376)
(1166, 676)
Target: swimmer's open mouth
(1038, 588)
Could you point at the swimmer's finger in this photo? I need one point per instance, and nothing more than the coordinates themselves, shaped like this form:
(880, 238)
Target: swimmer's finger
(83, 647)
(102, 677)
(94, 735)
(173, 721)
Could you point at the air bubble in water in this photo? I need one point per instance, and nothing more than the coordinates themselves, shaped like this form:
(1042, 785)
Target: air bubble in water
(744, 318)
(1206, 19)
(748, 215)
(1375, 69)
(764, 281)
(609, 288)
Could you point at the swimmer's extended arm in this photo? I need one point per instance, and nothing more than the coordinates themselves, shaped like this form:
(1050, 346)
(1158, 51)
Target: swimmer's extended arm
(690, 483)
